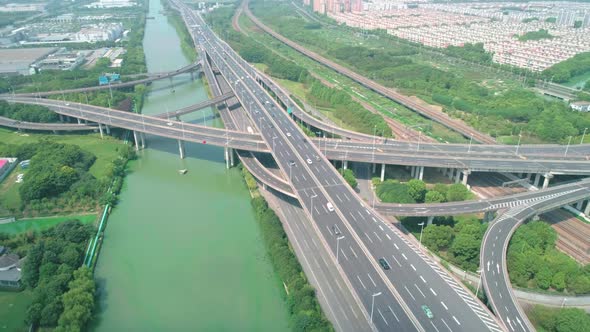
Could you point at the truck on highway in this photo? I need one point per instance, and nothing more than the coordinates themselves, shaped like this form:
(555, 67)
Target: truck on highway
(250, 130)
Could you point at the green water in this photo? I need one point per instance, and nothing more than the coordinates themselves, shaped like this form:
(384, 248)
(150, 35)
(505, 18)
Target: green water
(183, 252)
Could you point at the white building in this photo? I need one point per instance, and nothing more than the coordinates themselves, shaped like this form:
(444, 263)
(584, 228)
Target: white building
(580, 106)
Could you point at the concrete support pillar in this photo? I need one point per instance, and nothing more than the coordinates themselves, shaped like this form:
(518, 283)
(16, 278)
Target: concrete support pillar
(421, 174)
(587, 209)
(413, 171)
(181, 148)
(108, 129)
(142, 136)
(450, 174)
(382, 172)
(535, 217)
(374, 168)
(548, 176)
(579, 206)
(465, 176)
(345, 164)
(100, 129)
(226, 151)
(61, 118)
(458, 176)
(528, 177)
(79, 122)
(430, 220)
(231, 157)
(135, 139)
(537, 179)
(488, 216)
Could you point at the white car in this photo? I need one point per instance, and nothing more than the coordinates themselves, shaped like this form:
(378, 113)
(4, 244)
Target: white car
(288, 134)
(309, 161)
(169, 123)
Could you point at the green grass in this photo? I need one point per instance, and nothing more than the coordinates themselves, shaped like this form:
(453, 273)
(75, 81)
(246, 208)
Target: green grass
(13, 307)
(105, 149)
(9, 196)
(39, 224)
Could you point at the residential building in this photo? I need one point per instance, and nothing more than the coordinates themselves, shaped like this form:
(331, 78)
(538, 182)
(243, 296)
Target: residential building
(580, 106)
(10, 269)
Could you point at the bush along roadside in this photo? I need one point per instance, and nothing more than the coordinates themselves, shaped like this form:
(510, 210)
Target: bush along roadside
(304, 310)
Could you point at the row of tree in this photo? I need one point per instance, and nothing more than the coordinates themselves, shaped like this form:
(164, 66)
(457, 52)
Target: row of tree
(28, 113)
(458, 239)
(304, 309)
(559, 320)
(415, 191)
(49, 268)
(534, 262)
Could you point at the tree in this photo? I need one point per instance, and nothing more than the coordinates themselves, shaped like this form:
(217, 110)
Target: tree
(417, 189)
(437, 237)
(78, 301)
(457, 192)
(572, 320)
(391, 191)
(348, 175)
(434, 197)
(33, 259)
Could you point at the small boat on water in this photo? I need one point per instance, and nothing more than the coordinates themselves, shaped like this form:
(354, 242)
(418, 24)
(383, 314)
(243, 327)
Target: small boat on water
(182, 171)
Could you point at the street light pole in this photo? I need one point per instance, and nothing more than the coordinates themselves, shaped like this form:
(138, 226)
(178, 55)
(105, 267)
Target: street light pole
(470, 141)
(421, 229)
(567, 147)
(311, 199)
(338, 247)
(373, 304)
(583, 135)
(478, 282)
(518, 144)
(419, 139)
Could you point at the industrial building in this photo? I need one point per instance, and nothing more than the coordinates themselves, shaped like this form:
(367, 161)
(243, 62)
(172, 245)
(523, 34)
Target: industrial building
(18, 61)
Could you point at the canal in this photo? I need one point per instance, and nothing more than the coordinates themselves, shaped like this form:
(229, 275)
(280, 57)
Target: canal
(183, 252)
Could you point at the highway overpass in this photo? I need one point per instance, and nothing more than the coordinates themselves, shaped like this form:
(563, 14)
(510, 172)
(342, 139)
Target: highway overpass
(318, 183)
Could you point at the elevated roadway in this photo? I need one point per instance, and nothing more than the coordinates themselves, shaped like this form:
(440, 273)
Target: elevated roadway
(406, 101)
(318, 183)
(151, 125)
(11, 123)
(482, 205)
(151, 78)
(196, 107)
(495, 277)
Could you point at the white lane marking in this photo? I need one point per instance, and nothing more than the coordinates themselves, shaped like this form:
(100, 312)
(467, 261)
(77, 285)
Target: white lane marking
(339, 199)
(303, 175)
(456, 320)
(422, 279)
(431, 323)
(413, 268)
(367, 235)
(433, 292)
(338, 284)
(398, 263)
(444, 305)
(329, 230)
(419, 290)
(369, 213)
(385, 320)
(380, 227)
(352, 215)
(407, 290)
(374, 284)
(354, 253)
(378, 237)
(396, 247)
(360, 214)
(447, 325)
(296, 178)
(342, 251)
(406, 258)
(344, 313)
(359, 278)
(388, 236)
(393, 313)
(306, 244)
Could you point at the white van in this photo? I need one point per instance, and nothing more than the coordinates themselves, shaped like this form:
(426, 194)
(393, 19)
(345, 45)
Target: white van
(330, 207)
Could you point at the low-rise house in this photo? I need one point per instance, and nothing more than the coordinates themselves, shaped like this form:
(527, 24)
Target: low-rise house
(10, 269)
(581, 106)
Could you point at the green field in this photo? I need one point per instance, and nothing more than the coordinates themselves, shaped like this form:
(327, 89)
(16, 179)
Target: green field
(105, 149)
(13, 308)
(39, 224)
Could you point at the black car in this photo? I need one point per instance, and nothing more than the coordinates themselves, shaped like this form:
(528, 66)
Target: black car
(384, 263)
